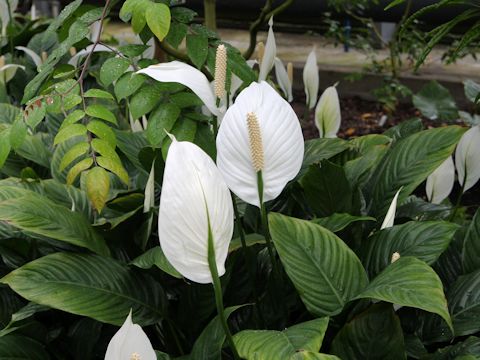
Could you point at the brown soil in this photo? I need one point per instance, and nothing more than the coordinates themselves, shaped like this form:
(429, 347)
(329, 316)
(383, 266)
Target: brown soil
(362, 117)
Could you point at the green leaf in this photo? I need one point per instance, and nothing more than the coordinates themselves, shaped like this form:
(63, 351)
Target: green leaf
(471, 245)
(405, 129)
(72, 118)
(197, 49)
(75, 151)
(37, 215)
(176, 34)
(18, 133)
(155, 256)
(161, 120)
(472, 89)
(89, 285)
(97, 184)
(101, 112)
(128, 84)
(35, 115)
(326, 272)
(21, 347)
(459, 351)
(103, 148)
(145, 100)
(375, 334)
(158, 19)
(320, 149)
(99, 94)
(274, 345)
(250, 239)
(184, 130)
(327, 189)
(208, 345)
(102, 131)
(435, 102)
(133, 50)
(114, 166)
(425, 240)
(409, 163)
(112, 69)
(4, 146)
(337, 222)
(70, 131)
(77, 169)
(409, 282)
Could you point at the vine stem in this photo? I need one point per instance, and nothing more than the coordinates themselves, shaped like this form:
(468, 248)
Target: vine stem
(217, 288)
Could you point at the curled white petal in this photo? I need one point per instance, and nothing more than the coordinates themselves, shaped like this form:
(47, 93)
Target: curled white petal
(149, 200)
(194, 79)
(7, 72)
(282, 141)
(33, 55)
(467, 157)
(390, 217)
(311, 79)
(130, 339)
(269, 55)
(440, 182)
(194, 195)
(283, 80)
(327, 113)
(99, 48)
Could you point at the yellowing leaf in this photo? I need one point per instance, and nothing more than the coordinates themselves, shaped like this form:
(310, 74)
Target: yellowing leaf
(98, 185)
(158, 19)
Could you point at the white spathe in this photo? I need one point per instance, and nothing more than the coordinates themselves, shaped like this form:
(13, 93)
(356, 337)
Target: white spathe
(194, 196)
(6, 15)
(390, 217)
(128, 341)
(282, 139)
(327, 113)
(440, 182)
(37, 60)
(194, 79)
(311, 79)
(269, 55)
(283, 80)
(467, 158)
(7, 72)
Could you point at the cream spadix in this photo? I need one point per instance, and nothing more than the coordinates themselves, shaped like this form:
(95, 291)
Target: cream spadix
(130, 343)
(440, 182)
(179, 72)
(260, 124)
(194, 198)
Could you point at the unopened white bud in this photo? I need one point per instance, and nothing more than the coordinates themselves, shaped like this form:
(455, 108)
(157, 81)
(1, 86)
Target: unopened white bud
(395, 257)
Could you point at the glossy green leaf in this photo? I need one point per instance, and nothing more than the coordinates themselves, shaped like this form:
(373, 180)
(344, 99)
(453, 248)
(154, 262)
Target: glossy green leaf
(18, 133)
(77, 169)
(409, 282)
(197, 49)
(97, 184)
(325, 272)
(89, 285)
(208, 345)
(112, 69)
(409, 163)
(70, 131)
(99, 94)
(72, 118)
(101, 112)
(465, 350)
(21, 347)
(158, 19)
(114, 166)
(471, 246)
(128, 84)
(40, 216)
(161, 121)
(435, 102)
(102, 131)
(35, 115)
(275, 345)
(145, 100)
(425, 240)
(4, 146)
(320, 149)
(375, 334)
(156, 257)
(337, 222)
(75, 152)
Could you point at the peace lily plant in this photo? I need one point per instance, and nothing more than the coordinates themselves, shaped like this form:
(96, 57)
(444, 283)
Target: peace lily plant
(143, 205)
